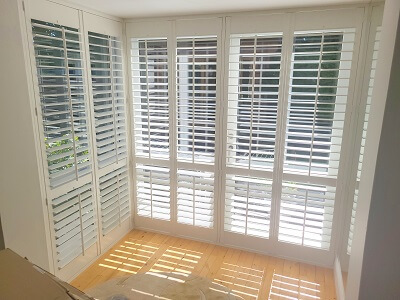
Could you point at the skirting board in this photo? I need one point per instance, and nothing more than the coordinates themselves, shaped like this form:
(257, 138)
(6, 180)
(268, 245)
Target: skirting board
(337, 273)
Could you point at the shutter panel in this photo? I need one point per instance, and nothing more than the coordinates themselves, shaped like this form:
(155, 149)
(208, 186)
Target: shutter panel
(364, 135)
(196, 95)
(248, 205)
(74, 223)
(63, 101)
(150, 97)
(306, 214)
(254, 71)
(253, 89)
(153, 192)
(195, 198)
(108, 97)
(320, 75)
(114, 199)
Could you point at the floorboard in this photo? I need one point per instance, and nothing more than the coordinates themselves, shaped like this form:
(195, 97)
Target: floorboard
(248, 275)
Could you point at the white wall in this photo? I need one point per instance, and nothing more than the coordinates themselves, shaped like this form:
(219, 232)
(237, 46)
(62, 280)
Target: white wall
(374, 271)
(21, 201)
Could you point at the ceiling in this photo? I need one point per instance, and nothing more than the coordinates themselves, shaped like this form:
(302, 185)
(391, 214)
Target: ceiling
(153, 8)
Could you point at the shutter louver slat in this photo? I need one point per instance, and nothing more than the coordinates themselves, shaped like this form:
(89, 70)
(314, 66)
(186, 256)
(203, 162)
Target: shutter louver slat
(364, 135)
(114, 199)
(108, 97)
(74, 220)
(63, 101)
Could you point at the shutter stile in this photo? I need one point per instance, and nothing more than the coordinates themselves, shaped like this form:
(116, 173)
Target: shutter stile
(63, 101)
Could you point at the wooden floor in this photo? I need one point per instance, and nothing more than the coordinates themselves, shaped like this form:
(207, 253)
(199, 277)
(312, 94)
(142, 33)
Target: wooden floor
(249, 275)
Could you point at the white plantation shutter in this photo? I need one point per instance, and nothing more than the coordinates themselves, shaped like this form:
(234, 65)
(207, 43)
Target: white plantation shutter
(196, 95)
(248, 205)
(63, 101)
(74, 223)
(306, 214)
(254, 72)
(149, 63)
(196, 86)
(153, 195)
(114, 199)
(108, 97)
(320, 73)
(195, 198)
(364, 135)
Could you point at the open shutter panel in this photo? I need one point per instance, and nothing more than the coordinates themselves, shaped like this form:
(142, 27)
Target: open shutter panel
(149, 58)
(108, 97)
(364, 135)
(320, 74)
(63, 101)
(254, 70)
(153, 195)
(195, 198)
(74, 223)
(196, 96)
(114, 199)
(248, 205)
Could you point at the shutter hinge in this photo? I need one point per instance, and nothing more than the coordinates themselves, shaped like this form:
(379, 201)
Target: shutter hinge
(47, 201)
(23, 5)
(36, 111)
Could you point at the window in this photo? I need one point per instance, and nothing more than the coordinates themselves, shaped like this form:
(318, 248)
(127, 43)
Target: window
(196, 96)
(273, 178)
(63, 101)
(254, 75)
(108, 97)
(150, 93)
(196, 86)
(151, 127)
(320, 73)
(254, 71)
